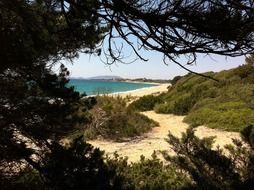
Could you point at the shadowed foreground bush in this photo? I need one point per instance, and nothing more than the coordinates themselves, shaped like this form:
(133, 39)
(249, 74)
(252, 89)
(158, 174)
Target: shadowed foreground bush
(80, 166)
(150, 174)
(210, 169)
(195, 166)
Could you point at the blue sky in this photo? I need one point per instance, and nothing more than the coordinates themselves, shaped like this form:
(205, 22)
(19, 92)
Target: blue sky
(88, 66)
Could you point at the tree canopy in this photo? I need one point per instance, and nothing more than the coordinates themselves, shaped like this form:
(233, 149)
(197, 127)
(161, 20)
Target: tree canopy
(181, 27)
(36, 105)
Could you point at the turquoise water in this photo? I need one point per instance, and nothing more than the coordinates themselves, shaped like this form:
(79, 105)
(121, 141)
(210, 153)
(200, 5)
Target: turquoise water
(92, 87)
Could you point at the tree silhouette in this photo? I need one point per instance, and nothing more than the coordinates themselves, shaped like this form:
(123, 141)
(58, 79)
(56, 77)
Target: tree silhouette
(36, 106)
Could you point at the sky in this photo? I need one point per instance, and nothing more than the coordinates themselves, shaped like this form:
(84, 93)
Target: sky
(89, 66)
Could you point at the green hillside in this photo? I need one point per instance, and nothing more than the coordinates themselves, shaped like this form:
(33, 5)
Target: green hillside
(227, 104)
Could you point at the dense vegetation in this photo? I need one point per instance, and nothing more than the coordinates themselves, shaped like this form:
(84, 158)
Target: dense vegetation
(78, 166)
(111, 119)
(145, 103)
(36, 105)
(150, 174)
(211, 168)
(227, 104)
(195, 166)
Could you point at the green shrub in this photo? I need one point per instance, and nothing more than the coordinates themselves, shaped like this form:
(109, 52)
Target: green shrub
(90, 133)
(150, 174)
(163, 108)
(211, 169)
(27, 179)
(145, 103)
(175, 79)
(232, 116)
(227, 104)
(184, 104)
(180, 106)
(112, 119)
(245, 71)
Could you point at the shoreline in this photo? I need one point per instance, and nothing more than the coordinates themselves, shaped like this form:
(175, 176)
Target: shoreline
(139, 82)
(156, 89)
(159, 88)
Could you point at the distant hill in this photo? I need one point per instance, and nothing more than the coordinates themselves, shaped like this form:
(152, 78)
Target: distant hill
(151, 80)
(105, 77)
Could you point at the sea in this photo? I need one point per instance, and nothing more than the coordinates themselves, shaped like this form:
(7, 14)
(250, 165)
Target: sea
(95, 87)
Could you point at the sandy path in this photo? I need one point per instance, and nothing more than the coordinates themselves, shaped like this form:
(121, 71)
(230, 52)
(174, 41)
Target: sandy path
(155, 139)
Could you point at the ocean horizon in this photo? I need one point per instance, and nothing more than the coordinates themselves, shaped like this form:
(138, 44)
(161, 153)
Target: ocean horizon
(94, 87)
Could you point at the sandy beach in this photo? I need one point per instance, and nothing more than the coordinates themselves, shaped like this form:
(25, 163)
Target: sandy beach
(144, 91)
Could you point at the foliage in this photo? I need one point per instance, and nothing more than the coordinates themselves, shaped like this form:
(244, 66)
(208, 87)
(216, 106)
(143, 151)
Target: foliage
(232, 116)
(175, 79)
(77, 167)
(145, 103)
(149, 174)
(102, 90)
(27, 179)
(37, 32)
(112, 119)
(250, 59)
(227, 104)
(211, 168)
(35, 102)
(176, 28)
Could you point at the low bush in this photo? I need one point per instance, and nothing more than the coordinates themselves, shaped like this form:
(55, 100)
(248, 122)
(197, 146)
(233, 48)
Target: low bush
(150, 174)
(27, 179)
(194, 166)
(175, 79)
(77, 167)
(112, 119)
(231, 116)
(211, 169)
(145, 103)
(166, 107)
